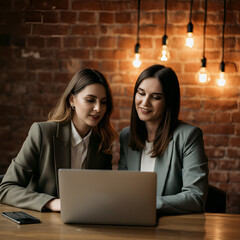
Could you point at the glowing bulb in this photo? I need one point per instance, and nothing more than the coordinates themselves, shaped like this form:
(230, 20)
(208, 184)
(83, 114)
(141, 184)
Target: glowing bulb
(221, 80)
(165, 55)
(203, 76)
(137, 62)
(189, 40)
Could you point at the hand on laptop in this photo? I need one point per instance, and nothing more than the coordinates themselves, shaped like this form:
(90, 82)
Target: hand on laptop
(54, 205)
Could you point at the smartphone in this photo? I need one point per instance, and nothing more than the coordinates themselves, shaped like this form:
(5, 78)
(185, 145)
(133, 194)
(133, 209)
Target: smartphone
(20, 217)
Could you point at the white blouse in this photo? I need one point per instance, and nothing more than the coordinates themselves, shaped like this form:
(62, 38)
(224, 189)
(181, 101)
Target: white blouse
(147, 162)
(79, 147)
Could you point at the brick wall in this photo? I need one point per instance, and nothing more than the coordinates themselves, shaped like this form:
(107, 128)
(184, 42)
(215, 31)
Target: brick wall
(44, 42)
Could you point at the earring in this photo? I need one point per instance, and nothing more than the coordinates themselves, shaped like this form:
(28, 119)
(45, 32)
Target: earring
(73, 108)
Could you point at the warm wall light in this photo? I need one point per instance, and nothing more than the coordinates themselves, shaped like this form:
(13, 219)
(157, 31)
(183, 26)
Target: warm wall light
(164, 53)
(137, 62)
(189, 39)
(221, 81)
(203, 76)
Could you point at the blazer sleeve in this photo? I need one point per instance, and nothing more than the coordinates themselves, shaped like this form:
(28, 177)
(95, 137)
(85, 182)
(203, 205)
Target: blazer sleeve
(194, 174)
(14, 189)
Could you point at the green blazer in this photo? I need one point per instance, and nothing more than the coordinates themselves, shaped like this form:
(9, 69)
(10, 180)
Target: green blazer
(32, 178)
(182, 171)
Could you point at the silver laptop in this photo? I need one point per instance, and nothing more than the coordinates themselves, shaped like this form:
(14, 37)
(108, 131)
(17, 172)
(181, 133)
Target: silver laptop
(108, 197)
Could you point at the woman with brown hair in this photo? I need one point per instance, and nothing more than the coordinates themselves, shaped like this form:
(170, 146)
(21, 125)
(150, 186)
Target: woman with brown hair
(158, 141)
(78, 134)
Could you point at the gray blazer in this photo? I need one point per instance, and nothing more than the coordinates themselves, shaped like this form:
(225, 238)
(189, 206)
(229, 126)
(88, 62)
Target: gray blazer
(32, 178)
(182, 171)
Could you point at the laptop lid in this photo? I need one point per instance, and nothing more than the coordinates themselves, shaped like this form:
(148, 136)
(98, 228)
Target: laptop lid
(108, 197)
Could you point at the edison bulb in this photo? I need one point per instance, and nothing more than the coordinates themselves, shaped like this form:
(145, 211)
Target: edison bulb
(221, 81)
(203, 76)
(137, 62)
(189, 40)
(165, 55)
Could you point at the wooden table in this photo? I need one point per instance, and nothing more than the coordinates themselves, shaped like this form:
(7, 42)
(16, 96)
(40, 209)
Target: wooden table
(193, 226)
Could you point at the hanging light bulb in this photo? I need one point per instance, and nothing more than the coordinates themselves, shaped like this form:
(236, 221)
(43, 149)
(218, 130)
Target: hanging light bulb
(221, 81)
(164, 54)
(137, 62)
(189, 39)
(203, 76)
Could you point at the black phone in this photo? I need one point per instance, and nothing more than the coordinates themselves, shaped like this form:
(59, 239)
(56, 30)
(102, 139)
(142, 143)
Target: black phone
(20, 217)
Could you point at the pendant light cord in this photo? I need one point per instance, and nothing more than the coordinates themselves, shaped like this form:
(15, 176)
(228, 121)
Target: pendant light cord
(223, 29)
(165, 28)
(138, 20)
(190, 16)
(204, 29)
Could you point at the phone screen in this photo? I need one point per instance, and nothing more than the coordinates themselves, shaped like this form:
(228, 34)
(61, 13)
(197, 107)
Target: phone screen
(20, 217)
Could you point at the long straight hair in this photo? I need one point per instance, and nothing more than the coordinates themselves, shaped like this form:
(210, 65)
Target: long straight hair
(171, 92)
(63, 111)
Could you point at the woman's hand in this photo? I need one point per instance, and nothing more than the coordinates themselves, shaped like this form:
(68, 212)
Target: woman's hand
(54, 205)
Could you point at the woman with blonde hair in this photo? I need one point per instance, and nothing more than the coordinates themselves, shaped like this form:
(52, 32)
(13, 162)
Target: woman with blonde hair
(78, 134)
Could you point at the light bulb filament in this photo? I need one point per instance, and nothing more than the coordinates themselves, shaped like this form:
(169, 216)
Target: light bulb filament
(137, 62)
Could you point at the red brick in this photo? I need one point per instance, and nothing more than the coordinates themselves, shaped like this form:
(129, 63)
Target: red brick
(218, 176)
(107, 42)
(221, 105)
(109, 66)
(71, 42)
(106, 17)
(68, 17)
(54, 42)
(235, 141)
(38, 42)
(88, 17)
(218, 128)
(88, 42)
(84, 30)
(227, 165)
(33, 16)
(76, 53)
(50, 29)
(123, 17)
(234, 176)
(51, 17)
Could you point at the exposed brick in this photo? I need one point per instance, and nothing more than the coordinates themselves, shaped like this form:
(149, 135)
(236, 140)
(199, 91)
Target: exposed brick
(88, 17)
(106, 17)
(51, 17)
(84, 30)
(68, 17)
(54, 42)
(107, 42)
(33, 16)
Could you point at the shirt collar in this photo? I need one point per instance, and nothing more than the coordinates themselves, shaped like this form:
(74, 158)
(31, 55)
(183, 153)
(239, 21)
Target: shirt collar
(76, 138)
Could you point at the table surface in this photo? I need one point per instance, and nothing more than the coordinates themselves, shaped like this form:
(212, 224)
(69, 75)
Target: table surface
(191, 226)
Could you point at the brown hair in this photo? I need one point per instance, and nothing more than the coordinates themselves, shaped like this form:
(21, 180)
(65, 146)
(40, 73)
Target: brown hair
(171, 91)
(63, 111)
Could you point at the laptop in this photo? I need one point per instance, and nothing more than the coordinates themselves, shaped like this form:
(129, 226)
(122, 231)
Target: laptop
(108, 197)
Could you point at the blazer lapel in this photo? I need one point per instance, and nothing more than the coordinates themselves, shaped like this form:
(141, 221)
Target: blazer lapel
(62, 149)
(134, 159)
(162, 167)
